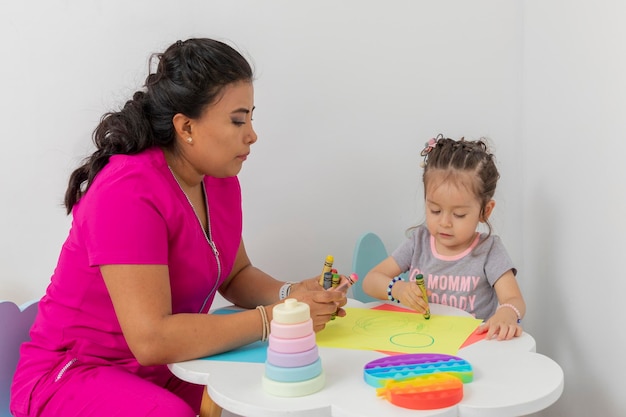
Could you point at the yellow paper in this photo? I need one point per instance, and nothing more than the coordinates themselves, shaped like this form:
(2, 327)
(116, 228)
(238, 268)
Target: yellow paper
(393, 331)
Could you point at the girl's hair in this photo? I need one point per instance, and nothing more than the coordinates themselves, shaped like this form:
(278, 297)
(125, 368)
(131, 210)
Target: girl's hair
(189, 76)
(451, 157)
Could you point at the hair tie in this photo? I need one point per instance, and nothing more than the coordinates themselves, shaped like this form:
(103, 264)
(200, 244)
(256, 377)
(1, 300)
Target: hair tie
(429, 146)
(179, 43)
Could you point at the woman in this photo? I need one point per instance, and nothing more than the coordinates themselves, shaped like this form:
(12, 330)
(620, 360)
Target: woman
(156, 231)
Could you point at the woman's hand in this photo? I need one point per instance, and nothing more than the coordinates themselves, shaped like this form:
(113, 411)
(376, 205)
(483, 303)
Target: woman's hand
(324, 304)
(311, 284)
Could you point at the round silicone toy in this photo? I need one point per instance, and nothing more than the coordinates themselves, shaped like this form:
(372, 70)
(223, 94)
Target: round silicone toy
(291, 311)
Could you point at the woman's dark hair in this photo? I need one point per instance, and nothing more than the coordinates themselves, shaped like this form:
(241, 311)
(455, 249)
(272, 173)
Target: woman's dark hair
(190, 76)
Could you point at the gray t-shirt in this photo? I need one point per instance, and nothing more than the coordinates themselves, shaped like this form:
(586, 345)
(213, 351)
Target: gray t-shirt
(463, 281)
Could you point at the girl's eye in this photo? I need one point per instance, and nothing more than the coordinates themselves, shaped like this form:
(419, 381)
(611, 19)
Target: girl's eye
(460, 216)
(435, 211)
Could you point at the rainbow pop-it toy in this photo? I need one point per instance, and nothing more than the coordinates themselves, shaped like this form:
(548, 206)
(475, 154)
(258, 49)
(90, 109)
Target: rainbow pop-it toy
(401, 367)
(426, 392)
(419, 381)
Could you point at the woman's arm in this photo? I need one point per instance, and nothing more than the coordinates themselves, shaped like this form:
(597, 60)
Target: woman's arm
(248, 287)
(141, 297)
(142, 301)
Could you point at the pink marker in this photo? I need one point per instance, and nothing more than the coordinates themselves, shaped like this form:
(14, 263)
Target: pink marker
(346, 282)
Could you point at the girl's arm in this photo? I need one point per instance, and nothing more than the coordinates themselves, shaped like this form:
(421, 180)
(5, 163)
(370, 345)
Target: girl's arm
(503, 325)
(376, 284)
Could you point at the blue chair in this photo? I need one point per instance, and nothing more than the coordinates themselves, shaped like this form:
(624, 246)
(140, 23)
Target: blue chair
(368, 252)
(15, 322)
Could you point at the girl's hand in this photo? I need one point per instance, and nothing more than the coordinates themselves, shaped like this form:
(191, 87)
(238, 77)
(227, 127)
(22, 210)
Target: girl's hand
(409, 295)
(501, 326)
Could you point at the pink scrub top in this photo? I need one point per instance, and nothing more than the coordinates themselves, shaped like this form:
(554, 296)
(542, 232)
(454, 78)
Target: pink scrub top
(134, 213)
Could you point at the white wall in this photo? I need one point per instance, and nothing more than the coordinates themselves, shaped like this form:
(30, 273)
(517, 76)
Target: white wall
(346, 95)
(574, 199)
(347, 92)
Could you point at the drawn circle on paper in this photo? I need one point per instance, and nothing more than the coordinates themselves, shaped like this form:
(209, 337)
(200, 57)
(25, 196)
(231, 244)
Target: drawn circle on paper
(412, 340)
(381, 326)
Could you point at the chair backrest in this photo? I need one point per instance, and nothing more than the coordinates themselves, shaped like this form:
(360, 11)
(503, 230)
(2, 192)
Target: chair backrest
(15, 324)
(368, 252)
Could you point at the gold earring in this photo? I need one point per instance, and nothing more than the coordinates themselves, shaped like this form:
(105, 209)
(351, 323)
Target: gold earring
(190, 140)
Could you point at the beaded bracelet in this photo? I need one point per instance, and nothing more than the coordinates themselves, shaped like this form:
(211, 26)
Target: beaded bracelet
(285, 290)
(511, 306)
(390, 286)
(266, 324)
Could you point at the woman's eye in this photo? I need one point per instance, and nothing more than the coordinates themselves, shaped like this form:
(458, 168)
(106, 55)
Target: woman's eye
(239, 122)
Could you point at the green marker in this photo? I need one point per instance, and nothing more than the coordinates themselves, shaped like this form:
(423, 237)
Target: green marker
(419, 280)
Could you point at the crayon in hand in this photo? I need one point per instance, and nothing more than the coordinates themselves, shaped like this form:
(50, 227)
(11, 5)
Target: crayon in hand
(328, 265)
(328, 280)
(346, 282)
(419, 280)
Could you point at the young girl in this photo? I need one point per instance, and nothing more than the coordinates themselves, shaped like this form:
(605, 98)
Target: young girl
(461, 267)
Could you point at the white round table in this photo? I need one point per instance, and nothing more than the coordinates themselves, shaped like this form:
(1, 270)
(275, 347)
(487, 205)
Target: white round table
(510, 379)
